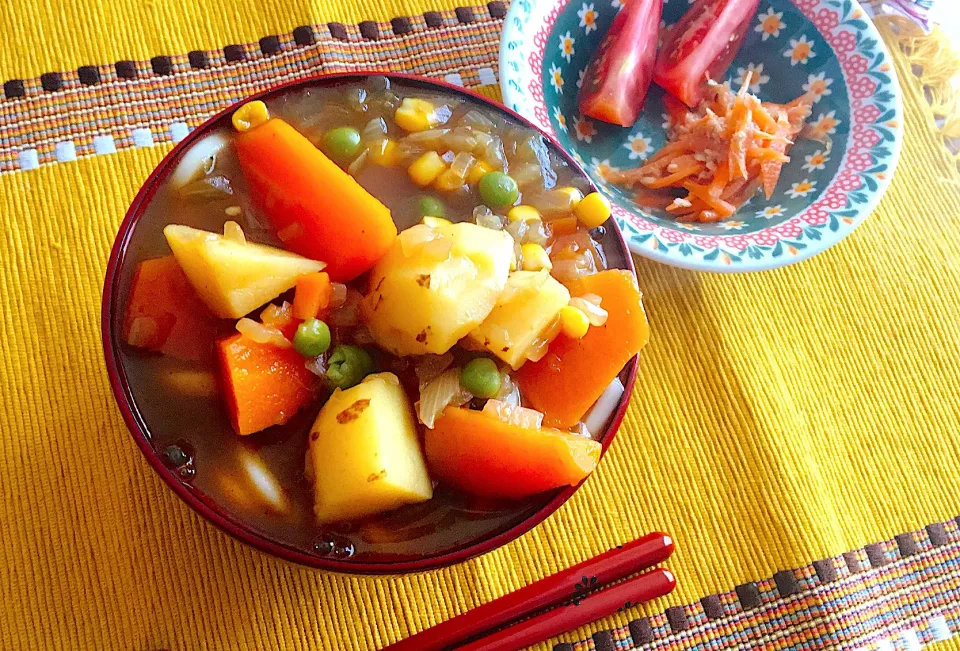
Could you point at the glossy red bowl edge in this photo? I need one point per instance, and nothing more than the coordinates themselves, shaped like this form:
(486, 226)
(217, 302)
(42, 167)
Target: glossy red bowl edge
(206, 506)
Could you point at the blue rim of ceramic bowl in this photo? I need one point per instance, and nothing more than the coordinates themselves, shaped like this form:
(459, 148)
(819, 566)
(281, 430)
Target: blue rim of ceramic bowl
(527, 29)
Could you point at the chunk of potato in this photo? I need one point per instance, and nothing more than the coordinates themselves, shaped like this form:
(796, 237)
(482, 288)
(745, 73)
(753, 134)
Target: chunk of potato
(233, 277)
(365, 452)
(435, 285)
(522, 317)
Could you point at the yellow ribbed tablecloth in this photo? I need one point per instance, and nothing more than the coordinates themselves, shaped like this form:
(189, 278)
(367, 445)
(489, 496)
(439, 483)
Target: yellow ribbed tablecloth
(779, 418)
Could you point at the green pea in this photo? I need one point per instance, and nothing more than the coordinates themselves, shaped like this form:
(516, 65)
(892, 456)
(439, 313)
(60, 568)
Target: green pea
(341, 144)
(347, 366)
(498, 190)
(312, 338)
(431, 207)
(481, 377)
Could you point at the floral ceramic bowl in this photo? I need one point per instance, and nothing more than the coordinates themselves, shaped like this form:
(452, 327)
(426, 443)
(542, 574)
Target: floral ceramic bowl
(794, 46)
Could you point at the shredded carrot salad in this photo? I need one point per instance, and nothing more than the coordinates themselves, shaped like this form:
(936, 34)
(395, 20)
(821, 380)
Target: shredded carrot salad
(718, 155)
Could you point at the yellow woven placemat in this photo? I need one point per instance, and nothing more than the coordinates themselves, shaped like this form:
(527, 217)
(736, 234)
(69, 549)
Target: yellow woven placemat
(780, 418)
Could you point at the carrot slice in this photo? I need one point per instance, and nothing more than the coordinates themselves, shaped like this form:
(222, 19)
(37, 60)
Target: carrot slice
(767, 154)
(674, 178)
(575, 372)
(165, 314)
(723, 208)
(760, 115)
(315, 208)
(263, 384)
(720, 179)
(733, 144)
(770, 170)
(482, 455)
(313, 295)
(679, 147)
(737, 158)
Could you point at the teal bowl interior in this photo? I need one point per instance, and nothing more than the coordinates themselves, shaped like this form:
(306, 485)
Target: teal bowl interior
(792, 46)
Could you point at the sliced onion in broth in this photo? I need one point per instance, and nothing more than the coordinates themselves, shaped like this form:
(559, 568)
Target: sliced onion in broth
(262, 334)
(513, 415)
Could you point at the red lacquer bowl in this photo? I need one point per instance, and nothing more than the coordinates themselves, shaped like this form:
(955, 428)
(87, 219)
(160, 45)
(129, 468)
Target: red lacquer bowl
(116, 285)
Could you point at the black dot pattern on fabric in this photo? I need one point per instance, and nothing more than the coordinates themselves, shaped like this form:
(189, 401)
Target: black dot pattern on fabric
(906, 544)
(712, 606)
(14, 88)
(234, 53)
(787, 583)
(270, 44)
(51, 81)
(603, 641)
(338, 31)
(677, 617)
(875, 555)
(401, 25)
(641, 631)
(198, 59)
(369, 30)
(88, 75)
(162, 65)
(868, 559)
(852, 561)
(825, 569)
(749, 595)
(938, 534)
(497, 9)
(304, 35)
(126, 69)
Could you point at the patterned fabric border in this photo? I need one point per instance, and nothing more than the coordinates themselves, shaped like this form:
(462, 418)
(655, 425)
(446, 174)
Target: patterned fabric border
(902, 593)
(899, 594)
(99, 109)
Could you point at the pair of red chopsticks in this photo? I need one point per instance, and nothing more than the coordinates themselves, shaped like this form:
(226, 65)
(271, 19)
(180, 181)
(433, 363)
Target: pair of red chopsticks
(556, 604)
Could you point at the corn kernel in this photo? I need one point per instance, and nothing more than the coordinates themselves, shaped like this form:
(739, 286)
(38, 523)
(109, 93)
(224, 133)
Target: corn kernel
(415, 115)
(477, 171)
(250, 115)
(573, 195)
(426, 169)
(384, 153)
(523, 214)
(593, 210)
(448, 181)
(535, 257)
(436, 222)
(573, 322)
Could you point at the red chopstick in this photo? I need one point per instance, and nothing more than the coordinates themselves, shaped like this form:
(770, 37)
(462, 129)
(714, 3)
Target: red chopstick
(568, 584)
(594, 606)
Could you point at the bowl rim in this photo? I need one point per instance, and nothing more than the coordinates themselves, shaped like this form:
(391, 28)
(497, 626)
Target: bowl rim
(207, 507)
(520, 42)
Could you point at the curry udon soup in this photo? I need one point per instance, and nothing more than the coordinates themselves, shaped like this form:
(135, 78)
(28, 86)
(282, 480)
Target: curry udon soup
(376, 321)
